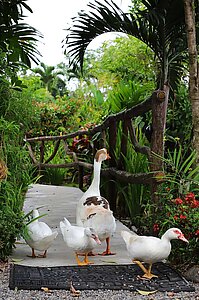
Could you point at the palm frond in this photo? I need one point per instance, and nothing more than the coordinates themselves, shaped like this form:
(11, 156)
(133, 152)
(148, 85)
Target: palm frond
(159, 24)
(101, 19)
(21, 41)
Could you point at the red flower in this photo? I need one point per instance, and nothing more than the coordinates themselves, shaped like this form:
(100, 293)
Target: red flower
(156, 227)
(183, 217)
(195, 204)
(197, 232)
(190, 197)
(178, 201)
(175, 217)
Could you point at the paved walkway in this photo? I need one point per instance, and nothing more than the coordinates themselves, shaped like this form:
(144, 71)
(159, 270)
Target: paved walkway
(59, 202)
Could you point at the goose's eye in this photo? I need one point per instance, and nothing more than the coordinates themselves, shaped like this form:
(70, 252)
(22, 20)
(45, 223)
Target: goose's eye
(177, 232)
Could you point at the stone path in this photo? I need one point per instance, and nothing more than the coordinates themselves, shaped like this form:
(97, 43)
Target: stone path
(59, 202)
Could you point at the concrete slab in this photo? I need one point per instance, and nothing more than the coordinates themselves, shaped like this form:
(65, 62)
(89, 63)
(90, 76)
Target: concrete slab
(59, 202)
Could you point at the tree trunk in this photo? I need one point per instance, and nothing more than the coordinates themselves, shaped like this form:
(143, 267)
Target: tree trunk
(193, 69)
(159, 110)
(112, 194)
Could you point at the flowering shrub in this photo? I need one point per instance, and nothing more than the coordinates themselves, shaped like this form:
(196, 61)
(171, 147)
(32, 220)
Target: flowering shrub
(55, 116)
(177, 206)
(63, 115)
(181, 212)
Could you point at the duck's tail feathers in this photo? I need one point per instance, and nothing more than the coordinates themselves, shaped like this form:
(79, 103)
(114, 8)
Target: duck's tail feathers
(64, 225)
(66, 222)
(126, 235)
(46, 242)
(50, 238)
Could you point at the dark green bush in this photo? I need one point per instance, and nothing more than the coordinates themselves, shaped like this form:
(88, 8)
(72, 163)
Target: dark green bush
(11, 226)
(19, 174)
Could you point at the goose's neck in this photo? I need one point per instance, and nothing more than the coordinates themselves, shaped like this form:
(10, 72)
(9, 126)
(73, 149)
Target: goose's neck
(95, 185)
(165, 237)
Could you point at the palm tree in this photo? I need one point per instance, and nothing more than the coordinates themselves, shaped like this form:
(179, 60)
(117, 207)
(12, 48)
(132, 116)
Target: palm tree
(46, 74)
(159, 24)
(49, 77)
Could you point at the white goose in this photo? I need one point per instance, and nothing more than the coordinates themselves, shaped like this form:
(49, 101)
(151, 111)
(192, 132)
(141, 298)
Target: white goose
(81, 240)
(40, 236)
(92, 198)
(150, 249)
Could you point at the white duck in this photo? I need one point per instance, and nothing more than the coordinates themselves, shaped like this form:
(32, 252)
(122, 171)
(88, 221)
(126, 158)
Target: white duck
(81, 240)
(103, 222)
(150, 249)
(40, 236)
(92, 198)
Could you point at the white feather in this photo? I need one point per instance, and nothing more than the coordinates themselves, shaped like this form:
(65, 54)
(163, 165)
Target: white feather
(40, 234)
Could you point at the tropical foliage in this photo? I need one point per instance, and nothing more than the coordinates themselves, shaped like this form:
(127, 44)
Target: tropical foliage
(159, 24)
(179, 120)
(17, 176)
(179, 204)
(51, 80)
(17, 39)
(124, 58)
(132, 198)
(17, 49)
(124, 95)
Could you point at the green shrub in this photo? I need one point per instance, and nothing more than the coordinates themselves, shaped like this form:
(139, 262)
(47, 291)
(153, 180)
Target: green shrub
(5, 94)
(55, 116)
(11, 227)
(179, 118)
(19, 175)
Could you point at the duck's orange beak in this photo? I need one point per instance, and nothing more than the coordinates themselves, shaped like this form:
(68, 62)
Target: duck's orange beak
(97, 240)
(108, 156)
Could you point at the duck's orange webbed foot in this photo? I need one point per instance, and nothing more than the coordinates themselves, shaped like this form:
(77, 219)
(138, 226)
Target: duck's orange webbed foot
(43, 255)
(88, 262)
(149, 276)
(79, 262)
(108, 250)
(33, 254)
(147, 273)
(106, 253)
(92, 254)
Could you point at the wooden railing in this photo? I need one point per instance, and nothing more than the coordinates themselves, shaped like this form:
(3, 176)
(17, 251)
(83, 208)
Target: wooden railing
(107, 135)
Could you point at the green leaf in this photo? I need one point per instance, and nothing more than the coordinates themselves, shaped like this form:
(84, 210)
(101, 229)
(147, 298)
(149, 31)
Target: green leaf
(17, 260)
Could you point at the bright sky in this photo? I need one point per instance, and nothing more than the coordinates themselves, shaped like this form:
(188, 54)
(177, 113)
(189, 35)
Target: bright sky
(51, 18)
